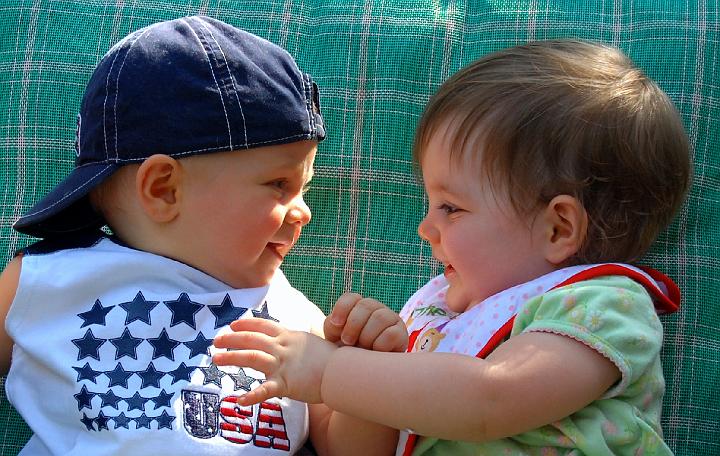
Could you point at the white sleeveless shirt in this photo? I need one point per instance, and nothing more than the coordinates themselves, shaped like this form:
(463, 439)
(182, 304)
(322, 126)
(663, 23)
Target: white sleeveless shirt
(112, 356)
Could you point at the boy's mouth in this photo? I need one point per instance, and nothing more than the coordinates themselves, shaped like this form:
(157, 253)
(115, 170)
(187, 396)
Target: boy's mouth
(280, 248)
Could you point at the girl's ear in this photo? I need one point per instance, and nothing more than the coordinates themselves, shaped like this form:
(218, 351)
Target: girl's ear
(565, 224)
(158, 187)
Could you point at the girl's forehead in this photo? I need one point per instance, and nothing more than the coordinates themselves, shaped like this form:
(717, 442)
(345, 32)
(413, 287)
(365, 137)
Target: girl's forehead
(457, 154)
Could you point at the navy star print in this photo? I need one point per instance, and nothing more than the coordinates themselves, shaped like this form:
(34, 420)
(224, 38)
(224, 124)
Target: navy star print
(164, 420)
(104, 401)
(86, 373)
(110, 398)
(121, 421)
(96, 315)
(199, 346)
(163, 346)
(88, 345)
(162, 399)
(138, 309)
(126, 345)
(137, 402)
(118, 376)
(150, 376)
(102, 421)
(183, 372)
(183, 310)
(226, 312)
(263, 313)
(142, 422)
(88, 422)
(84, 398)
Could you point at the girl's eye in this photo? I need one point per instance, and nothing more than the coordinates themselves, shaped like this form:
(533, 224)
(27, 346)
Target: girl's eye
(448, 208)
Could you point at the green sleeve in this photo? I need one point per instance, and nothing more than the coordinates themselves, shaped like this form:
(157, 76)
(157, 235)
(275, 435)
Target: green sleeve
(612, 315)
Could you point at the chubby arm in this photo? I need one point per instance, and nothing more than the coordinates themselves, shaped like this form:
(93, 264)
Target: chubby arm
(530, 380)
(8, 286)
(365, 323)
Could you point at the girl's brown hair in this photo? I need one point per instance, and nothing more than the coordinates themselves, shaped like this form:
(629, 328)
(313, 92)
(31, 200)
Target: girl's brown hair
(576, 118)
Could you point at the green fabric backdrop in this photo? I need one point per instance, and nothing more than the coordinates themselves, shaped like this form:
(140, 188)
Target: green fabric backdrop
(376, 63)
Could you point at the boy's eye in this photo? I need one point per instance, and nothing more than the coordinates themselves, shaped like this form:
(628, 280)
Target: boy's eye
(306, 188)
(280, 184)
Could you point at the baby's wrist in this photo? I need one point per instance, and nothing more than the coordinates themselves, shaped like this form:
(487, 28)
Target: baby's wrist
(327, 386)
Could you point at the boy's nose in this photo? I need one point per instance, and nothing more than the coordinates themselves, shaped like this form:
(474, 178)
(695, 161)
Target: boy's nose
(299, 212)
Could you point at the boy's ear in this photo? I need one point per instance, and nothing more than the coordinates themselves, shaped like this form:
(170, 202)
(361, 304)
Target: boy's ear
(564, 228)
(157, 185)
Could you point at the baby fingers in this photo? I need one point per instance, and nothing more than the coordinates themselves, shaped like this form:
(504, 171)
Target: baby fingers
(247, 349)
(254, 359)
(267, 390)
(392, 339)
(257, 325)
(245, 340)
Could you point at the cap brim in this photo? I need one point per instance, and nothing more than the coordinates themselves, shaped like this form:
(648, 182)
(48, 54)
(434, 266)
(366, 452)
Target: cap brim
(66, 208)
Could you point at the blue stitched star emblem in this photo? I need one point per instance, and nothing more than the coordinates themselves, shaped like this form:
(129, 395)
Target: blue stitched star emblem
(137, 402)
(126, 345)
(199, 346)
(96, 315)
(163, 346)
(121, 421)
(183, 310)
(138, 309)
(226, 312)
(263, 313)
(162, 399)
(150, 376)
(88, 345)
(183, 372)
(88, 422)
(84, 398)
(110, 398)
(164, 420)
(143, 421)
(86, 373)
(118, 376)
(242, 381)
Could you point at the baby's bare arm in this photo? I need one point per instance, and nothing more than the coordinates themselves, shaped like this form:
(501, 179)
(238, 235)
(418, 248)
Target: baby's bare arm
(8, 286)
(531, 380)
(369, 324)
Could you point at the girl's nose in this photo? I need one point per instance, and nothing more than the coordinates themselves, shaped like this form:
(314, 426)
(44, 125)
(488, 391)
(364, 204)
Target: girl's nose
(427, 231)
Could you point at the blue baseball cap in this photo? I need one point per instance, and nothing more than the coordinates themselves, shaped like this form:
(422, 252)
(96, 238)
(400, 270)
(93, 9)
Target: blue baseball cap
(188, 86)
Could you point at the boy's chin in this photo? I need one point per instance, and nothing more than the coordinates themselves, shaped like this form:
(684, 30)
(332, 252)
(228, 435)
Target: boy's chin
(256, 280)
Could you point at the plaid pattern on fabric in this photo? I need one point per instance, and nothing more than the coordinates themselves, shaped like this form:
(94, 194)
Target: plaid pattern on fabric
(377, 62)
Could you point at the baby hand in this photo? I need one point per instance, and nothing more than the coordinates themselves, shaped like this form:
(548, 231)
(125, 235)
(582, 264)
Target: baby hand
(293, 361)
(365, 323)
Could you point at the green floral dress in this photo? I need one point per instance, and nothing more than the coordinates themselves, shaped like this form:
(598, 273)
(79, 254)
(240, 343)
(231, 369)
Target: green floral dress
(615, 316)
